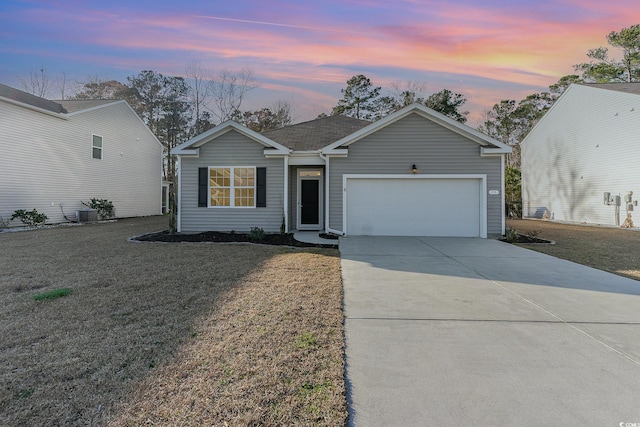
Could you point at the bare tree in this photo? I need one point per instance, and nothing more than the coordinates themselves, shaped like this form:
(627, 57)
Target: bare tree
(408, 92)
(63, 84)
(36, 83)
(229, 90)
(201, 86)
(284, 109)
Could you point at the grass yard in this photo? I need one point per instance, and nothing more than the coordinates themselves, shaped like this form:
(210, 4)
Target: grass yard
(167, 334)
(610, 249)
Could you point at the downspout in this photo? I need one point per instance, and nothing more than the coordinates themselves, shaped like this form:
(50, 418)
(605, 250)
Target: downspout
(503, 195)
(285, 204)
(327, 229)
(179, 194)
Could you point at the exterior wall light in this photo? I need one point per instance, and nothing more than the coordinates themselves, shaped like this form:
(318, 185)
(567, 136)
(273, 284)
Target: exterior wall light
(414, 169)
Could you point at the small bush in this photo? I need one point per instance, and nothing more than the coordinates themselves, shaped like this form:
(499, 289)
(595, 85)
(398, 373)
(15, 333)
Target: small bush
(257, 234)
(30, 218)
(4, 223)
(103, 206)
(53, 294)
(511, 235)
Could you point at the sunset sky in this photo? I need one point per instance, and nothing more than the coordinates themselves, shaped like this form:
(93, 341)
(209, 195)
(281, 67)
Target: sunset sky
(304, 51)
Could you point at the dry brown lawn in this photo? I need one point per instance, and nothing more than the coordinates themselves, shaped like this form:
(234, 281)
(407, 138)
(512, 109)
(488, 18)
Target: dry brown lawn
(610, 249)
(167, 334)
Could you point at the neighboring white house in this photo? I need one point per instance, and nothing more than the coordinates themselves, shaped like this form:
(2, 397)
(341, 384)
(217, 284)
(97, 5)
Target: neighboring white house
(56, 154)
(581, 162)
(415, 172)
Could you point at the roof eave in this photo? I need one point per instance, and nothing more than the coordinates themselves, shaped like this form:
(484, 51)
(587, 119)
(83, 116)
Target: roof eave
(34, 108)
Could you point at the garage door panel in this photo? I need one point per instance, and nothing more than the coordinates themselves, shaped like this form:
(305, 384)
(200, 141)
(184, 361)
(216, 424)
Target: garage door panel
(411, 206)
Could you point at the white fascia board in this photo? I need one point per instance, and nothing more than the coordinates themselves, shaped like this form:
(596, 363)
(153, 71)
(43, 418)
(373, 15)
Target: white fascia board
(271, 153)
(340, 152)
(185, 153)
(33, 108)
(489, 152)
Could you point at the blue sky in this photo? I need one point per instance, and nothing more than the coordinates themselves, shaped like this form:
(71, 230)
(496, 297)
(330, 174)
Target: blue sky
(304, 51)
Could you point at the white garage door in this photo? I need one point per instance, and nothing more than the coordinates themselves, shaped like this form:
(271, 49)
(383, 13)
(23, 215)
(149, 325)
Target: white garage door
(412, 206)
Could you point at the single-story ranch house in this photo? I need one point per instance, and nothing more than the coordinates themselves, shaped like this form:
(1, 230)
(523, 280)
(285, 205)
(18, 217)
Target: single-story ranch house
(415, 172)
(58, 154)
(581, 162)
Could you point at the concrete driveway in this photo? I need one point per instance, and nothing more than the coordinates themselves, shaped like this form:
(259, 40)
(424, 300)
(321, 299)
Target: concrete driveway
(455, 331)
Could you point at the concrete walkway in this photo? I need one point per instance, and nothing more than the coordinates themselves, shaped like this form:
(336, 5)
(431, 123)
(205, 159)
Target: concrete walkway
(313, 237)
(454, 331)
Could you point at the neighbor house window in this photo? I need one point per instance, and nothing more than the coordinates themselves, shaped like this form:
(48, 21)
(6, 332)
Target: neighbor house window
(96, 147)
(232, 187)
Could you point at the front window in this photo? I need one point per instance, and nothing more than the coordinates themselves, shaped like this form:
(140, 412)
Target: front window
(232, 187)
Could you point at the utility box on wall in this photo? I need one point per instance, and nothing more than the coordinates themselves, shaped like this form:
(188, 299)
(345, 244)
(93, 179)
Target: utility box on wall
(87, 215)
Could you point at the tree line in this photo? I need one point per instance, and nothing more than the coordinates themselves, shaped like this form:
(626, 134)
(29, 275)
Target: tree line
(177, 108)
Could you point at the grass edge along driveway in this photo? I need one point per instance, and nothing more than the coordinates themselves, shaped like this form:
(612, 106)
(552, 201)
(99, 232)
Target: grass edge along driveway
(606, 248)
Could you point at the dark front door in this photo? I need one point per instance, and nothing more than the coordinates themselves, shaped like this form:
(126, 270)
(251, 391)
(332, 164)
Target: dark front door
(309, 198)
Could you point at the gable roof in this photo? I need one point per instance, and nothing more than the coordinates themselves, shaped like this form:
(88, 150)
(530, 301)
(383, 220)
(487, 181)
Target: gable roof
(315, 134)
(633, 88)
(191, 146)
(489, 145)
(31, 100)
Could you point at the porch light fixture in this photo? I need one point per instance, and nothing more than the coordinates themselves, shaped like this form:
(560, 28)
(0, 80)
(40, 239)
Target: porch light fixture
(414, 169)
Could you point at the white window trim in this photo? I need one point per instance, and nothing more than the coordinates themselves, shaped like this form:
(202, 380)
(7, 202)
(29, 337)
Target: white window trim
(101, 148)
(232, 192)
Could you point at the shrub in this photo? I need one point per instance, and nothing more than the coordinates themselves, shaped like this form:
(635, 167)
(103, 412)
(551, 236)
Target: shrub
(511, 235)
(30, 218)
(103, 206)
(257, 234)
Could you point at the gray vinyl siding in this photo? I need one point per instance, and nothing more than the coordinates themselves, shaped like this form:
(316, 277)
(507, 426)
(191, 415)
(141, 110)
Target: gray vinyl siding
(587, 144)
(231, 149)
(46, 161)
(433, 148)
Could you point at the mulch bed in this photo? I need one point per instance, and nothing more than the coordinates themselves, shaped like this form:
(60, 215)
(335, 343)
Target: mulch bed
(285, 239)
(523, 238)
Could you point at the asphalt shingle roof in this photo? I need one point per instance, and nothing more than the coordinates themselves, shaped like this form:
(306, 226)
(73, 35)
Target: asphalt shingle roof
(27, 98)
(618, 87)
(315, 134)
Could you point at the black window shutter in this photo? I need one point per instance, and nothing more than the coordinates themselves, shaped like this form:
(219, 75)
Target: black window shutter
(203, 187)
(261, 187)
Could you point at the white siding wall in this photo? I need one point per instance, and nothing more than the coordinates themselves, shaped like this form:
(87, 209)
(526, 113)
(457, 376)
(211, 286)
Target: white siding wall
(46, 161)
(587, 144)
(433, 148)
(231, 149)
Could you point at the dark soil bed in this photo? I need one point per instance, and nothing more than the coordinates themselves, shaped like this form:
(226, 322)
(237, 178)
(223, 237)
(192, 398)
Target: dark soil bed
(523, 238)
(215, 236)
